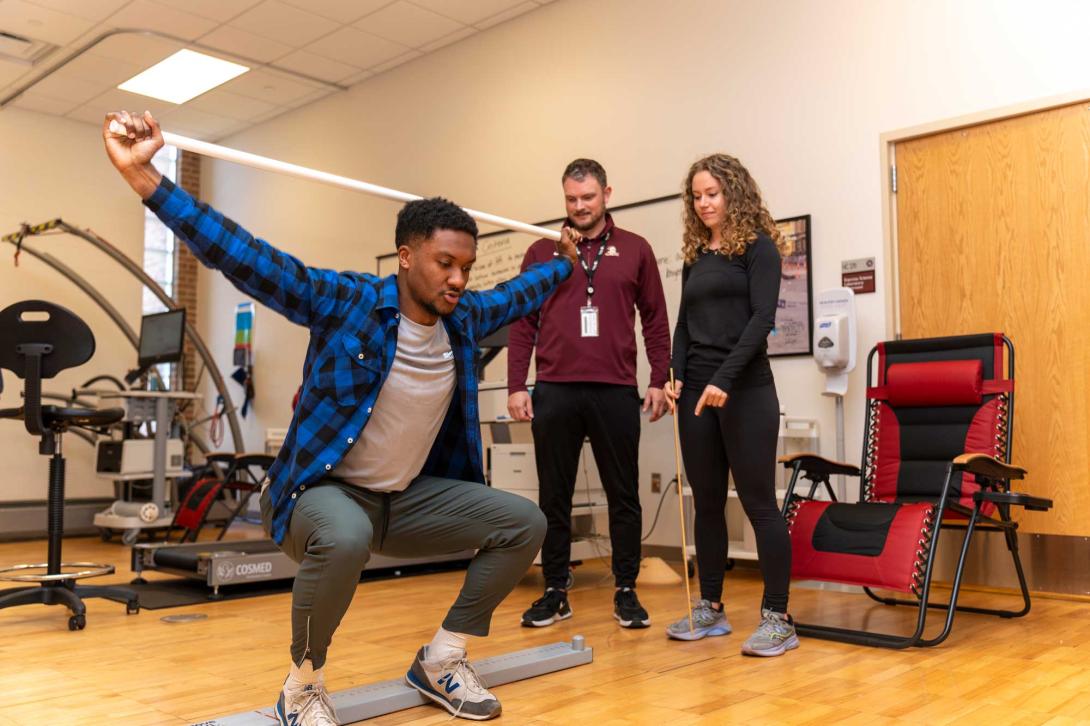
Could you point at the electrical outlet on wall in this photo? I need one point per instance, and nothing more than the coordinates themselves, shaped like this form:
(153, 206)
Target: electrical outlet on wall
(656, 483)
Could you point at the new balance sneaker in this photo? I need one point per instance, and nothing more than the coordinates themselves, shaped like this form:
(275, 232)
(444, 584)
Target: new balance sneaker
(628, 611)
(546, 610)
(774, 636)
(707, 621)
(307, 705)
(453, 684)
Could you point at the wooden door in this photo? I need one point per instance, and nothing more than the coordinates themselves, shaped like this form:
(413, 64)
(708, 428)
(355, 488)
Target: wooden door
(993, 230)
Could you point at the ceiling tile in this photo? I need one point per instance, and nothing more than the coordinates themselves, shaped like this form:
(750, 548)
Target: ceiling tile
(407, 24)
(221, 10)
(94, 10)
(404, 58)
(247, 45)
(88, 113)
(31, 101)
(40, 23)
(231, 105)
(317, 66)
(269, 116)
(239, 127)
(146, 15)
(284, 23)
(88, 36)
(356, 78)
(310, 98)
(506, 15)
(356, 48)
(11, 72)
(448, 39)
(268, 86)
(117, 100)
(108, 71)
(343, 11)
(141, 50)
(194, 122)
(67, 86)
(468, 11)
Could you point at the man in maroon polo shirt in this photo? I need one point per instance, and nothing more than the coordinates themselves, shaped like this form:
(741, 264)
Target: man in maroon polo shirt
(586, 386)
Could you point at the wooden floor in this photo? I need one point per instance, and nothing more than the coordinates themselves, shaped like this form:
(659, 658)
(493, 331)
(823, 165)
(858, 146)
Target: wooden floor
(140, 670)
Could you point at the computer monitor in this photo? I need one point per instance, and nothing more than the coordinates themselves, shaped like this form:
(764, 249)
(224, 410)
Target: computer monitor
(161, 338)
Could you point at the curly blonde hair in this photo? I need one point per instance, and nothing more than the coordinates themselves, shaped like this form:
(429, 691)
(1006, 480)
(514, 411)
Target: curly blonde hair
(746, 215)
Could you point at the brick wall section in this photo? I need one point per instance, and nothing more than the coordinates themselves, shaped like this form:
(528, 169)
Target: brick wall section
(185, 268)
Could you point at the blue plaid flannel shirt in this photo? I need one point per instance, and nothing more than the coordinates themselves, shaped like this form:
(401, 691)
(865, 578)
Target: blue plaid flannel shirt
(353, 319)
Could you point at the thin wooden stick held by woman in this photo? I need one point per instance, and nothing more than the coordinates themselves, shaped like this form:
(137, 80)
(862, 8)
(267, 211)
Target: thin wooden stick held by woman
(681, 513)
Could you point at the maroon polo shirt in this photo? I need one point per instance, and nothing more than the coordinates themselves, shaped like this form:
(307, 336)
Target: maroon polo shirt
(627, 280)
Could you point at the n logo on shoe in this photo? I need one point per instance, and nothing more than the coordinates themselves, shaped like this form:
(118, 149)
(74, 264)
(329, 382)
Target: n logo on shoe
(447, 682)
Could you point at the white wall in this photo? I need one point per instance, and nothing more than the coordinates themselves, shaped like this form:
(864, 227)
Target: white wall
(799, 90)
(52, 167)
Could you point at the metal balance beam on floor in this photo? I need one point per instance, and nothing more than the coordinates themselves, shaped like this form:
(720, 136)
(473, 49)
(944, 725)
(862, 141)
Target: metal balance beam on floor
(377, 699)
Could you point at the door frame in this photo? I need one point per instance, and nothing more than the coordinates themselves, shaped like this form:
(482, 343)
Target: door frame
(888, 158)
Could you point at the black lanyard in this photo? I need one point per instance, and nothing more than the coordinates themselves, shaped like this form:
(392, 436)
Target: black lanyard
(589, 271)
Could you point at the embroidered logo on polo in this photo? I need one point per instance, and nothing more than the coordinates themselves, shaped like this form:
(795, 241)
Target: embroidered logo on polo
(611, 251)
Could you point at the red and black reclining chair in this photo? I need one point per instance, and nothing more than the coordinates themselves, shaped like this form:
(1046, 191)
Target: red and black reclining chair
(936, 454)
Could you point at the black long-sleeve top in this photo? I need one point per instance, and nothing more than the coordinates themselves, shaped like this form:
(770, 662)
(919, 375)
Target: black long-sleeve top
(728, 308)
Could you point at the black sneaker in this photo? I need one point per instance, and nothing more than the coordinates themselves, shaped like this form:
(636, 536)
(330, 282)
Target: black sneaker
(552, 606)
(628, 611)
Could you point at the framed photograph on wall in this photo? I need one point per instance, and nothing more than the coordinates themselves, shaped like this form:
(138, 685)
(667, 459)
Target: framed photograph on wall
(795, 312)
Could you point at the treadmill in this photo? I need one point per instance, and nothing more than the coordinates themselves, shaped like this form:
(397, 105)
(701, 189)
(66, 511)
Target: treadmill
(222, 564)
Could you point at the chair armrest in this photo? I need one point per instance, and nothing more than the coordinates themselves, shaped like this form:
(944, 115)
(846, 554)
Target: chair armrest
(11, 412)
(814, 464)
(254, 459)
(988, 466)
(1036, 504)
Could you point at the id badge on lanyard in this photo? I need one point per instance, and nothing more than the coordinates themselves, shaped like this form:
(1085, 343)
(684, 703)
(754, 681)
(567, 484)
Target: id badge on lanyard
(588, 321)
(588, 314)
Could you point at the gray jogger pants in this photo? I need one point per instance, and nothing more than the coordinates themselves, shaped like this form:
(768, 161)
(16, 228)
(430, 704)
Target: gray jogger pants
(336, 526)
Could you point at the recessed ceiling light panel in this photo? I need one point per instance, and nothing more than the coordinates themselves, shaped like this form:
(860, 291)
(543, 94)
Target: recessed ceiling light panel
(184, 75)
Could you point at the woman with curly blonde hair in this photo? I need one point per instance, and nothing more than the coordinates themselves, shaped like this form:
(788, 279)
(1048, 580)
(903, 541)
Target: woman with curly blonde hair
(724, 394)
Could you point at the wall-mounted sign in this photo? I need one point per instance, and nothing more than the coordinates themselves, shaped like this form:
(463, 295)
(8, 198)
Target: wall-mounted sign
(858, 275)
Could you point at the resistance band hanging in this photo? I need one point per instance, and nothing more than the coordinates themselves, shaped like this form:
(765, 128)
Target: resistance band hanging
(244, 351)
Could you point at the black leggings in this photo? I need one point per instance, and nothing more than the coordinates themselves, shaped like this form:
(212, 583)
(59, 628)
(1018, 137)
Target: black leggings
(739, 438)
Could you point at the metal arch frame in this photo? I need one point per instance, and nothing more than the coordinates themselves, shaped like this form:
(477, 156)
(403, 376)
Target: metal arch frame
(17, 239)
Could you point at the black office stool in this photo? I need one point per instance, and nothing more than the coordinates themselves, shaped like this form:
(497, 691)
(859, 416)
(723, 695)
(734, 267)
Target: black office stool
(38, 340)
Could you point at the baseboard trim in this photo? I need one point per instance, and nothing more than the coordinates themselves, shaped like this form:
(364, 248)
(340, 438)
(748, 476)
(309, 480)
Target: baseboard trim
(29, 519)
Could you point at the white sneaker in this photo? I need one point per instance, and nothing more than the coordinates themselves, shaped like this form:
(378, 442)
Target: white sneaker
(307, 705)
(455, 685)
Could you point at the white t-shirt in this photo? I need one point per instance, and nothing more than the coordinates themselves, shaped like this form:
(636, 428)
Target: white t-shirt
(408, 413)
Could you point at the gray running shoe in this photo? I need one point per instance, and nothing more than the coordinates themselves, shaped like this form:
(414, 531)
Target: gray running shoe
(453, 684)
(706, 621)
(774, 636)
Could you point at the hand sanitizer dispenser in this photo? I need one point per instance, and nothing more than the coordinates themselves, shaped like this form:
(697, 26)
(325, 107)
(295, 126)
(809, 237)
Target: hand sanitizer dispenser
(832, 348)
(834, 353)
(835, 337)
